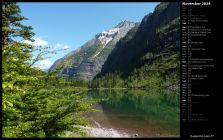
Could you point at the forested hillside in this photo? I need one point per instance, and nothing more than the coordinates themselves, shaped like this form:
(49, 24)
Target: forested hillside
(148, 55)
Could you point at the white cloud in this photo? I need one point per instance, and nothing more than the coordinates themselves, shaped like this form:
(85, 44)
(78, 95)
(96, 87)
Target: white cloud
(61, 46)
(38, 41)
(44, 64)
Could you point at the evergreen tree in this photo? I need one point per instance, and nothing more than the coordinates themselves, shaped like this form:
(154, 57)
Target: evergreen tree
(11, 24)
(34, 102)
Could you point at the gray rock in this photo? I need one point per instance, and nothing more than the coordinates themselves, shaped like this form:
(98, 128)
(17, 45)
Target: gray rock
(87, 61)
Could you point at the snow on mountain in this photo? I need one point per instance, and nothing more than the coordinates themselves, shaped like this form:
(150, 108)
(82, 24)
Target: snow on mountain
(105, 42)
(87, 61)
(105, 37)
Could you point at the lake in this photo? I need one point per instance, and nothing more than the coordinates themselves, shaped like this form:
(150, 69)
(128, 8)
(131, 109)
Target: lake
(135, 113)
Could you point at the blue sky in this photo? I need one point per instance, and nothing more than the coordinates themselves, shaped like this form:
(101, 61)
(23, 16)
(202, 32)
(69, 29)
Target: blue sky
(70, 25)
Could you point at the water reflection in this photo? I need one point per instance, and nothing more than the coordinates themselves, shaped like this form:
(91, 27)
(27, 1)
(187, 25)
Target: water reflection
(137, 111)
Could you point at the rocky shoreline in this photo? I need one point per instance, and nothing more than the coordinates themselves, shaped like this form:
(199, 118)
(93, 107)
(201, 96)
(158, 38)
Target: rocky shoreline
(105, 132)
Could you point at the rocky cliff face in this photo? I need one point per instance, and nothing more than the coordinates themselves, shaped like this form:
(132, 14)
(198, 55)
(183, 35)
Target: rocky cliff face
(156, 37)
(129, 46)
(87, 61)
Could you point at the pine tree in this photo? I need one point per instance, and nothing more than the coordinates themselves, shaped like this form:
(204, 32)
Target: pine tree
(34, 103)
(12, 26)
(16, 55)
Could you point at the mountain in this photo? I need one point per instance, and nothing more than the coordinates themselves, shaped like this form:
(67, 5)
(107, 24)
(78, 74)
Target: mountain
(87, 61)
(156, 40)
(148, 56)
(131, 54)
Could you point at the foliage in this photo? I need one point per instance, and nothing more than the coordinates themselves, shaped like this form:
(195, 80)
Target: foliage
(39, 104)
(148, 56)
(110, 80)
(35, 104)
(157, 36)
(11, 24)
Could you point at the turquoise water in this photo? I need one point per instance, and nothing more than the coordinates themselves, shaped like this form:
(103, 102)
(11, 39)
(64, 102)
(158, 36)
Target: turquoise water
(137, 112)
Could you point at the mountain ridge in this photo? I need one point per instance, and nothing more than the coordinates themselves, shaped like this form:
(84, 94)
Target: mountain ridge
(85, 62)
(148, 57)
(128, 53)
